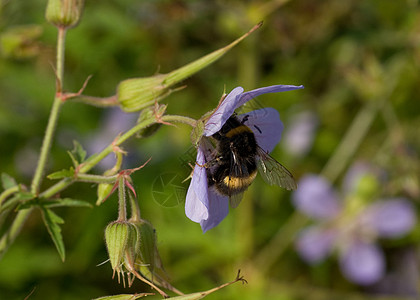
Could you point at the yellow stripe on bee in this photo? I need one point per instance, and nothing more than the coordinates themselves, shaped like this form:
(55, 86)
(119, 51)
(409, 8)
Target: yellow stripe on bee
(239, 182)
(237, 130)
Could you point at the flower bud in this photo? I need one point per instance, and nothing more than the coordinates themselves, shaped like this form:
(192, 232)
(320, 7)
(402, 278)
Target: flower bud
(150, 113)
(137, 93)
(148, 261)
(120, 237)
(64, 13)
(103, 191)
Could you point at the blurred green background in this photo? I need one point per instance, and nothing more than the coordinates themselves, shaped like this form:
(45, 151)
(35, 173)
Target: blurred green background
(347, 54)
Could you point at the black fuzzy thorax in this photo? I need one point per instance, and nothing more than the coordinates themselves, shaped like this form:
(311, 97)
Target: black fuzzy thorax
(236, 156)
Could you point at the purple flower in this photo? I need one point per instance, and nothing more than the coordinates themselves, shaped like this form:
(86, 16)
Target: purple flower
(298, 139)
(351, 227)
(204, 205)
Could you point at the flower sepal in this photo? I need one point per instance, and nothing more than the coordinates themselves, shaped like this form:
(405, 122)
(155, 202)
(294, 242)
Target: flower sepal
(148, 261)
(137, 93)
(151, 113)
(121, 238)
(64, 13)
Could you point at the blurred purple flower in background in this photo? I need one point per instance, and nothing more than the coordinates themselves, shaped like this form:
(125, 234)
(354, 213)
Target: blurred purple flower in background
(204, 205)
(299, 136)
(114, 122)
(351, 227)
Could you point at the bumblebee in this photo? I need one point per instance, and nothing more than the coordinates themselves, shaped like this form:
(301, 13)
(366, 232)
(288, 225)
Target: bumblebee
(236, 160)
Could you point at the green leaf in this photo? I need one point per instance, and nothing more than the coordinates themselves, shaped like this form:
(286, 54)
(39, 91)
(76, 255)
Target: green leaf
(124, 297)
(69, 202)
(51, 221)
(78, 154)
(65, 173)
(7, 181)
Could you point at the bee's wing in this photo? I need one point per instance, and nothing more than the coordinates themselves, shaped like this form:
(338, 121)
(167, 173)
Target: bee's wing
(234, 200)
(274, 172)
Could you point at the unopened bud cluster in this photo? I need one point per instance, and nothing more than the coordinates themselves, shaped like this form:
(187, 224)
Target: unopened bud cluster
(132, 246)
(121, 238)
(64, 13)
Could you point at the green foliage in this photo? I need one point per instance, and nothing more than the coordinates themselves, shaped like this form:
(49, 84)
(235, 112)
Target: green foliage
(78, 154)
(61, 174)
(8, 182)
(52, 221)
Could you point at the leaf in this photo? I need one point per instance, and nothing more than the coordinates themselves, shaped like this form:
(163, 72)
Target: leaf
(69, 202)
(78, 154)
(123, 297)
(65, 173)
(51, 221)
(7, 181)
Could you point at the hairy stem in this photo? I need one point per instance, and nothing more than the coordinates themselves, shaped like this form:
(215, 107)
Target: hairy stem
(96, 158)
(52, 121)
(10, 235)
(122, 209)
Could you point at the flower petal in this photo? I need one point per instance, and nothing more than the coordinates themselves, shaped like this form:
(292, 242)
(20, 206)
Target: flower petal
(390, 218)
(245, 97)
(266, 125)
(315, 243)
(300, 134)
(203, 205)
(223, 112)
(363, 263)
(316, 198)
(217, 211)
(197, 200)
(237, 98)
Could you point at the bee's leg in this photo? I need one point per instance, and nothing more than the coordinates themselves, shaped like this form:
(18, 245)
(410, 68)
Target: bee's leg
(210, 163)
(245, 119)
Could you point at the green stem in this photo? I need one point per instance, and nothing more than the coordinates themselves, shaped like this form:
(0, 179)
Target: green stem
(180, 119)
(52, 121)
(122, 210)
(6, 193)
(96, 158)
(351, 141)
(96, 178)
(98, 101)
(285, 235)
(9, 236)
